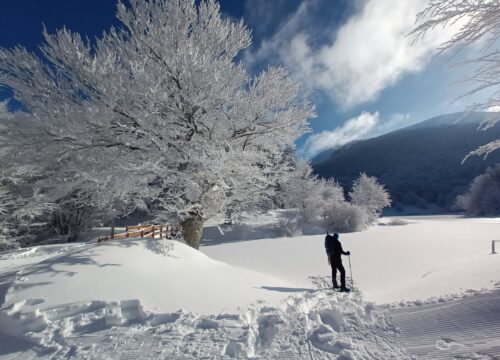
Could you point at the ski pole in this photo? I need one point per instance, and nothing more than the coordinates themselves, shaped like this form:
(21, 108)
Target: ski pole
(350, 270)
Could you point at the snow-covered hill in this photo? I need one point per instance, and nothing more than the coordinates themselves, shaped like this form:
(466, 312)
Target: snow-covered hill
(267, 298)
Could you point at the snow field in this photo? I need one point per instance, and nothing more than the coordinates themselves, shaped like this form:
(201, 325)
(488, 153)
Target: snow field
(267, 298)
(428, 258)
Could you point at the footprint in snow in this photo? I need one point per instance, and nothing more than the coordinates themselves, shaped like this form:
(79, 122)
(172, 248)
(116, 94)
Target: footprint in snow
(332, 318)
(207, 324)
(325, 340)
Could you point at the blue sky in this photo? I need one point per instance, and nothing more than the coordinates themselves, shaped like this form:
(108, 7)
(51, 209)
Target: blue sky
(364, 74)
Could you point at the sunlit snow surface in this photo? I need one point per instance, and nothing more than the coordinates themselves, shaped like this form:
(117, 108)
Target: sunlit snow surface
(266, 298)
(425, 257)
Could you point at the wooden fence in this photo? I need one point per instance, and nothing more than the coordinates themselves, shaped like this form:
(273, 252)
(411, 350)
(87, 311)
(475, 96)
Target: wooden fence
(143, 231)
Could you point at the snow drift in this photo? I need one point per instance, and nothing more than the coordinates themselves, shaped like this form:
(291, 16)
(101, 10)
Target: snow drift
(164, 275)
(162, 298)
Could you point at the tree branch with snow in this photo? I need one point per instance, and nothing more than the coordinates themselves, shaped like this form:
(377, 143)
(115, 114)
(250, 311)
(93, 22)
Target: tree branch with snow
(158, 113)
(479, 26)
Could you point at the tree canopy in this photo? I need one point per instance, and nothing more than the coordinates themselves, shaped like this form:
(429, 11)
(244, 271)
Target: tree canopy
(157, 113)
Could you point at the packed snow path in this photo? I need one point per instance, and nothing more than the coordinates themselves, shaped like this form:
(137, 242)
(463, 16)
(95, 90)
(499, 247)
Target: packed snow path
(467, 328)
(317, 324)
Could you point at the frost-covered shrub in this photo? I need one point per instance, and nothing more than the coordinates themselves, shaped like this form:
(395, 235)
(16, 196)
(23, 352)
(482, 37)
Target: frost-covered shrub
(321, 202)
(323, 196)
(483, 196)
(346, 217)
(313, 198)
(367, 193)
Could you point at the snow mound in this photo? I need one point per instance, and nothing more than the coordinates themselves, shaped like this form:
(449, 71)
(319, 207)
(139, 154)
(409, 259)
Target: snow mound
(164, 275)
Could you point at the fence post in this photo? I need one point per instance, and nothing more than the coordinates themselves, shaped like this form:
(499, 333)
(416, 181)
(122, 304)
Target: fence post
(161, 228)
(142, 233)
(493, 247)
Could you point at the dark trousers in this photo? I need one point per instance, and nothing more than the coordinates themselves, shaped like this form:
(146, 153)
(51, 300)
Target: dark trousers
(337, 265)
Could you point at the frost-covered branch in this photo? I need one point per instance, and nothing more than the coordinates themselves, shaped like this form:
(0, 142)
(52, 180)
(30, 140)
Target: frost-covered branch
(484, 150)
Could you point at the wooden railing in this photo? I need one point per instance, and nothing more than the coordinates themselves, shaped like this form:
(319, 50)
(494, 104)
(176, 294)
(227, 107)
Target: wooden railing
(143, 231)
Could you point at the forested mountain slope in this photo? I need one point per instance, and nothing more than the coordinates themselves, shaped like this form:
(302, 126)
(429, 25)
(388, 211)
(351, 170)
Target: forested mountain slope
(420, 165)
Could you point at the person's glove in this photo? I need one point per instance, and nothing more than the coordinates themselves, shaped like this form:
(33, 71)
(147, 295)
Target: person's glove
(348, 253)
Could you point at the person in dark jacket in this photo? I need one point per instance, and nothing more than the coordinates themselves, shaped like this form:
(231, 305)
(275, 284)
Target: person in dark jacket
(334, 251)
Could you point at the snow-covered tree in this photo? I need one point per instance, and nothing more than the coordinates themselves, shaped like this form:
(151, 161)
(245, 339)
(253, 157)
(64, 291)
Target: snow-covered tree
(295, 186)
(156, 113)
(321, 202)
(483, 196)
(5, 201)
(311, 196)
(68, 193)
(21, 204)
(481, 28)
(367, 193)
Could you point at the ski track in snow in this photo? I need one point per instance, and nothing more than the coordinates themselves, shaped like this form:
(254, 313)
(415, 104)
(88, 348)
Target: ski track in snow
(467, 328)
(316, 324)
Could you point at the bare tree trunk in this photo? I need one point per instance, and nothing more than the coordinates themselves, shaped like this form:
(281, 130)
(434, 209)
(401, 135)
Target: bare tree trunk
(192, 229)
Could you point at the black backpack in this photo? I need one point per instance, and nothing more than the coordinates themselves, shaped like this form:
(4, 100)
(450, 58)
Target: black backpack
(329, 244)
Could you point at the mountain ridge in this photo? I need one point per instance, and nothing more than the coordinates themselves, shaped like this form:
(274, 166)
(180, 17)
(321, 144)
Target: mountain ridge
(420, 164)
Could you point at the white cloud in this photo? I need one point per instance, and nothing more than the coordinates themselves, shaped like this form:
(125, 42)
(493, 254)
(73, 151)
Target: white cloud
(364, 126)
(368, 53)
(395, 122)
(353, 129)
(275, 49)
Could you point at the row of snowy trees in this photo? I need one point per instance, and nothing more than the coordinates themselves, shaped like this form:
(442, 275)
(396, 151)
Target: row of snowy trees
(322, 202)
(156, 115)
